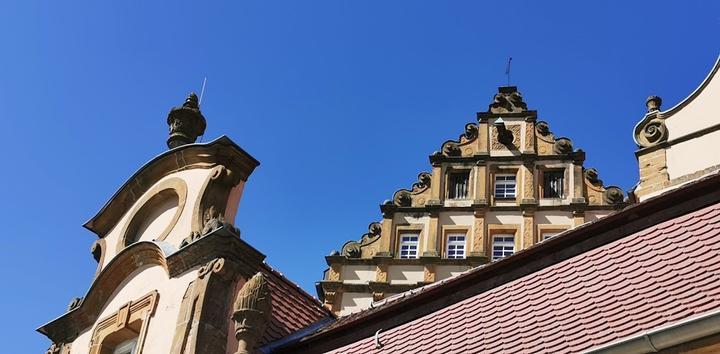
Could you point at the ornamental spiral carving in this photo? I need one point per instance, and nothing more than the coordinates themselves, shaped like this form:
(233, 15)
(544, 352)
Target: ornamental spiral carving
(424, 179)
(563, 146)
(471, 131)
(353, 249)
(592, 176)
(451, 149)
(655, 132)
(402, 198)
(542, 128)
(614, 195)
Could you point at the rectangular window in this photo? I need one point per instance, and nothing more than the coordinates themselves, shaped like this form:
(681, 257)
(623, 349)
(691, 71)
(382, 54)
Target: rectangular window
(547, 235)
(456, 246)
(503, 246)
(505, 186)
(553, 184)
(458, 185)
(409, 245)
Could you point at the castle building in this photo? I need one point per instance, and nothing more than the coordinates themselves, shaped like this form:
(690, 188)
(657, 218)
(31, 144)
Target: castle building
(508, 245)
(505, 184)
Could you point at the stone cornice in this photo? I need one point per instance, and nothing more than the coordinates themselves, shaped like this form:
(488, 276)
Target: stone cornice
(221, 151)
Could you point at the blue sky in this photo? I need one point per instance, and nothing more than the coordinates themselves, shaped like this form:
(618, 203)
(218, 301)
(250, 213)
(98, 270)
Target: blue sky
(341, 101)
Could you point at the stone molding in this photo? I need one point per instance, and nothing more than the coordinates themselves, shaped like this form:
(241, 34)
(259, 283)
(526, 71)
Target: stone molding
(146, 204)
(221, 151)
(130, 320)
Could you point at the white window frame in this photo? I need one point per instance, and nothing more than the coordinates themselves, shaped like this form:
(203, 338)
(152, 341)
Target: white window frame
(550, 234)
(455, 245)
(126, 347)
(503, 179)
(409, 245)
(503, 245)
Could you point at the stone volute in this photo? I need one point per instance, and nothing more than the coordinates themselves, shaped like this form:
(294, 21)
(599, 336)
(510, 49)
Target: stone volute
(186, 123)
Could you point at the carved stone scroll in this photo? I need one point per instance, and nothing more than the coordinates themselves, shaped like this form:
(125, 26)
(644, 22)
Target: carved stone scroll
(508, 100)
(251, 313)
(353, 249)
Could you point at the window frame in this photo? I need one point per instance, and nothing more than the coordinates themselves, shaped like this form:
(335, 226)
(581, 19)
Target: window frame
(505, 236)
(455, 243)
(495, 185)
(127, 347)
(543, 229)
(450, 187)
(543, 180)
(416, 243)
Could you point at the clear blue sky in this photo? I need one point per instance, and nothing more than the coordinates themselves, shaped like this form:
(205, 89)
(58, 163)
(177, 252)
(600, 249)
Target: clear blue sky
(341, 102)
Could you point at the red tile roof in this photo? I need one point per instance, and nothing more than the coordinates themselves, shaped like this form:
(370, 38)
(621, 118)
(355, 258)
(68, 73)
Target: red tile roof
(654, 277)
(293, 308)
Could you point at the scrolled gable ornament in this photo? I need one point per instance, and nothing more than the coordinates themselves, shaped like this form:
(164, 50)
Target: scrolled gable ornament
(353, 249)
(251, 313)
(563, 146)
(652, 129)
(614, 195)
(508, 100)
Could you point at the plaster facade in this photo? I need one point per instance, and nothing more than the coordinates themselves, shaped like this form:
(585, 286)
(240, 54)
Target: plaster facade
(680, 144)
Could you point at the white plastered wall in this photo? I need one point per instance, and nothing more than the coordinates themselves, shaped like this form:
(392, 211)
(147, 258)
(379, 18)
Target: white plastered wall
(354, 302)
(447, 271)
(358, 274)
(702, 112)
(135, 286)
(694, 155)
(405, 274)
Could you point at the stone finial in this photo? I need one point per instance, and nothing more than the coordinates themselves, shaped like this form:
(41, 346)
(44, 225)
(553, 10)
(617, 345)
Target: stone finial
(653, 103)
(508, 100)
(251, 313)
(186, 122)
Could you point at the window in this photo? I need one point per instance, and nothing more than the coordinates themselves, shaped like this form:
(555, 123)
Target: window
(553, 184)
(458, 185)
(456, 246)
(126, 347)
(547, 235)
(409, 246)
(505, 186)
(503, 246)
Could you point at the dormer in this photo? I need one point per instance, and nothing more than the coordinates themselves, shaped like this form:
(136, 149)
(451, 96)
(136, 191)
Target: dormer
(178, 196)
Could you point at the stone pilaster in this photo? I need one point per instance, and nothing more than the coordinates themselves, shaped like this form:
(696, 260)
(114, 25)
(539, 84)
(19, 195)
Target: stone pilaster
(528, 184)
(386, 235)
(528, 231)
(578, 218)
(653, 172)
(431, 249)
(529, 137)
(478, 235)
(481, 184)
